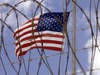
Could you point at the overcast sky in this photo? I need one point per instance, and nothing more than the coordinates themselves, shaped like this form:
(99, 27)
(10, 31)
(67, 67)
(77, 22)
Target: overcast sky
(84, 38)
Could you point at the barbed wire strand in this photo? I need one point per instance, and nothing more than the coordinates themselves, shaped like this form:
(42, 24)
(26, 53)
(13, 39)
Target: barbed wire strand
(48, 66)
(24, 16)
(1, 43)
(13, 8)
(93, 37)
(76, 57)
(97, 28)
(67, 61)
(68, 31)
(2, 36)
(85, 71)
(74, 54)
(83, 29)
(2, 40)
(55, 34)
(49, 55)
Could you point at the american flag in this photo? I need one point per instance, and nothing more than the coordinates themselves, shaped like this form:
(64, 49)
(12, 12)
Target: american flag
(49, 26)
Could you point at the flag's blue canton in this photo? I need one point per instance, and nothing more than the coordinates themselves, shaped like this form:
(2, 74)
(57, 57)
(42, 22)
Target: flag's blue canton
(49, 22)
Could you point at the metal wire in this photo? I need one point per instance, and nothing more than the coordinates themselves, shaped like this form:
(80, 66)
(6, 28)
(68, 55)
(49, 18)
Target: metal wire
(40, 5)
(49, 55)
(53, 34)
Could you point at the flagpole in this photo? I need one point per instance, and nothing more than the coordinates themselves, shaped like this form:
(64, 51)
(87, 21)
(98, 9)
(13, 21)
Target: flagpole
(74, 39)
